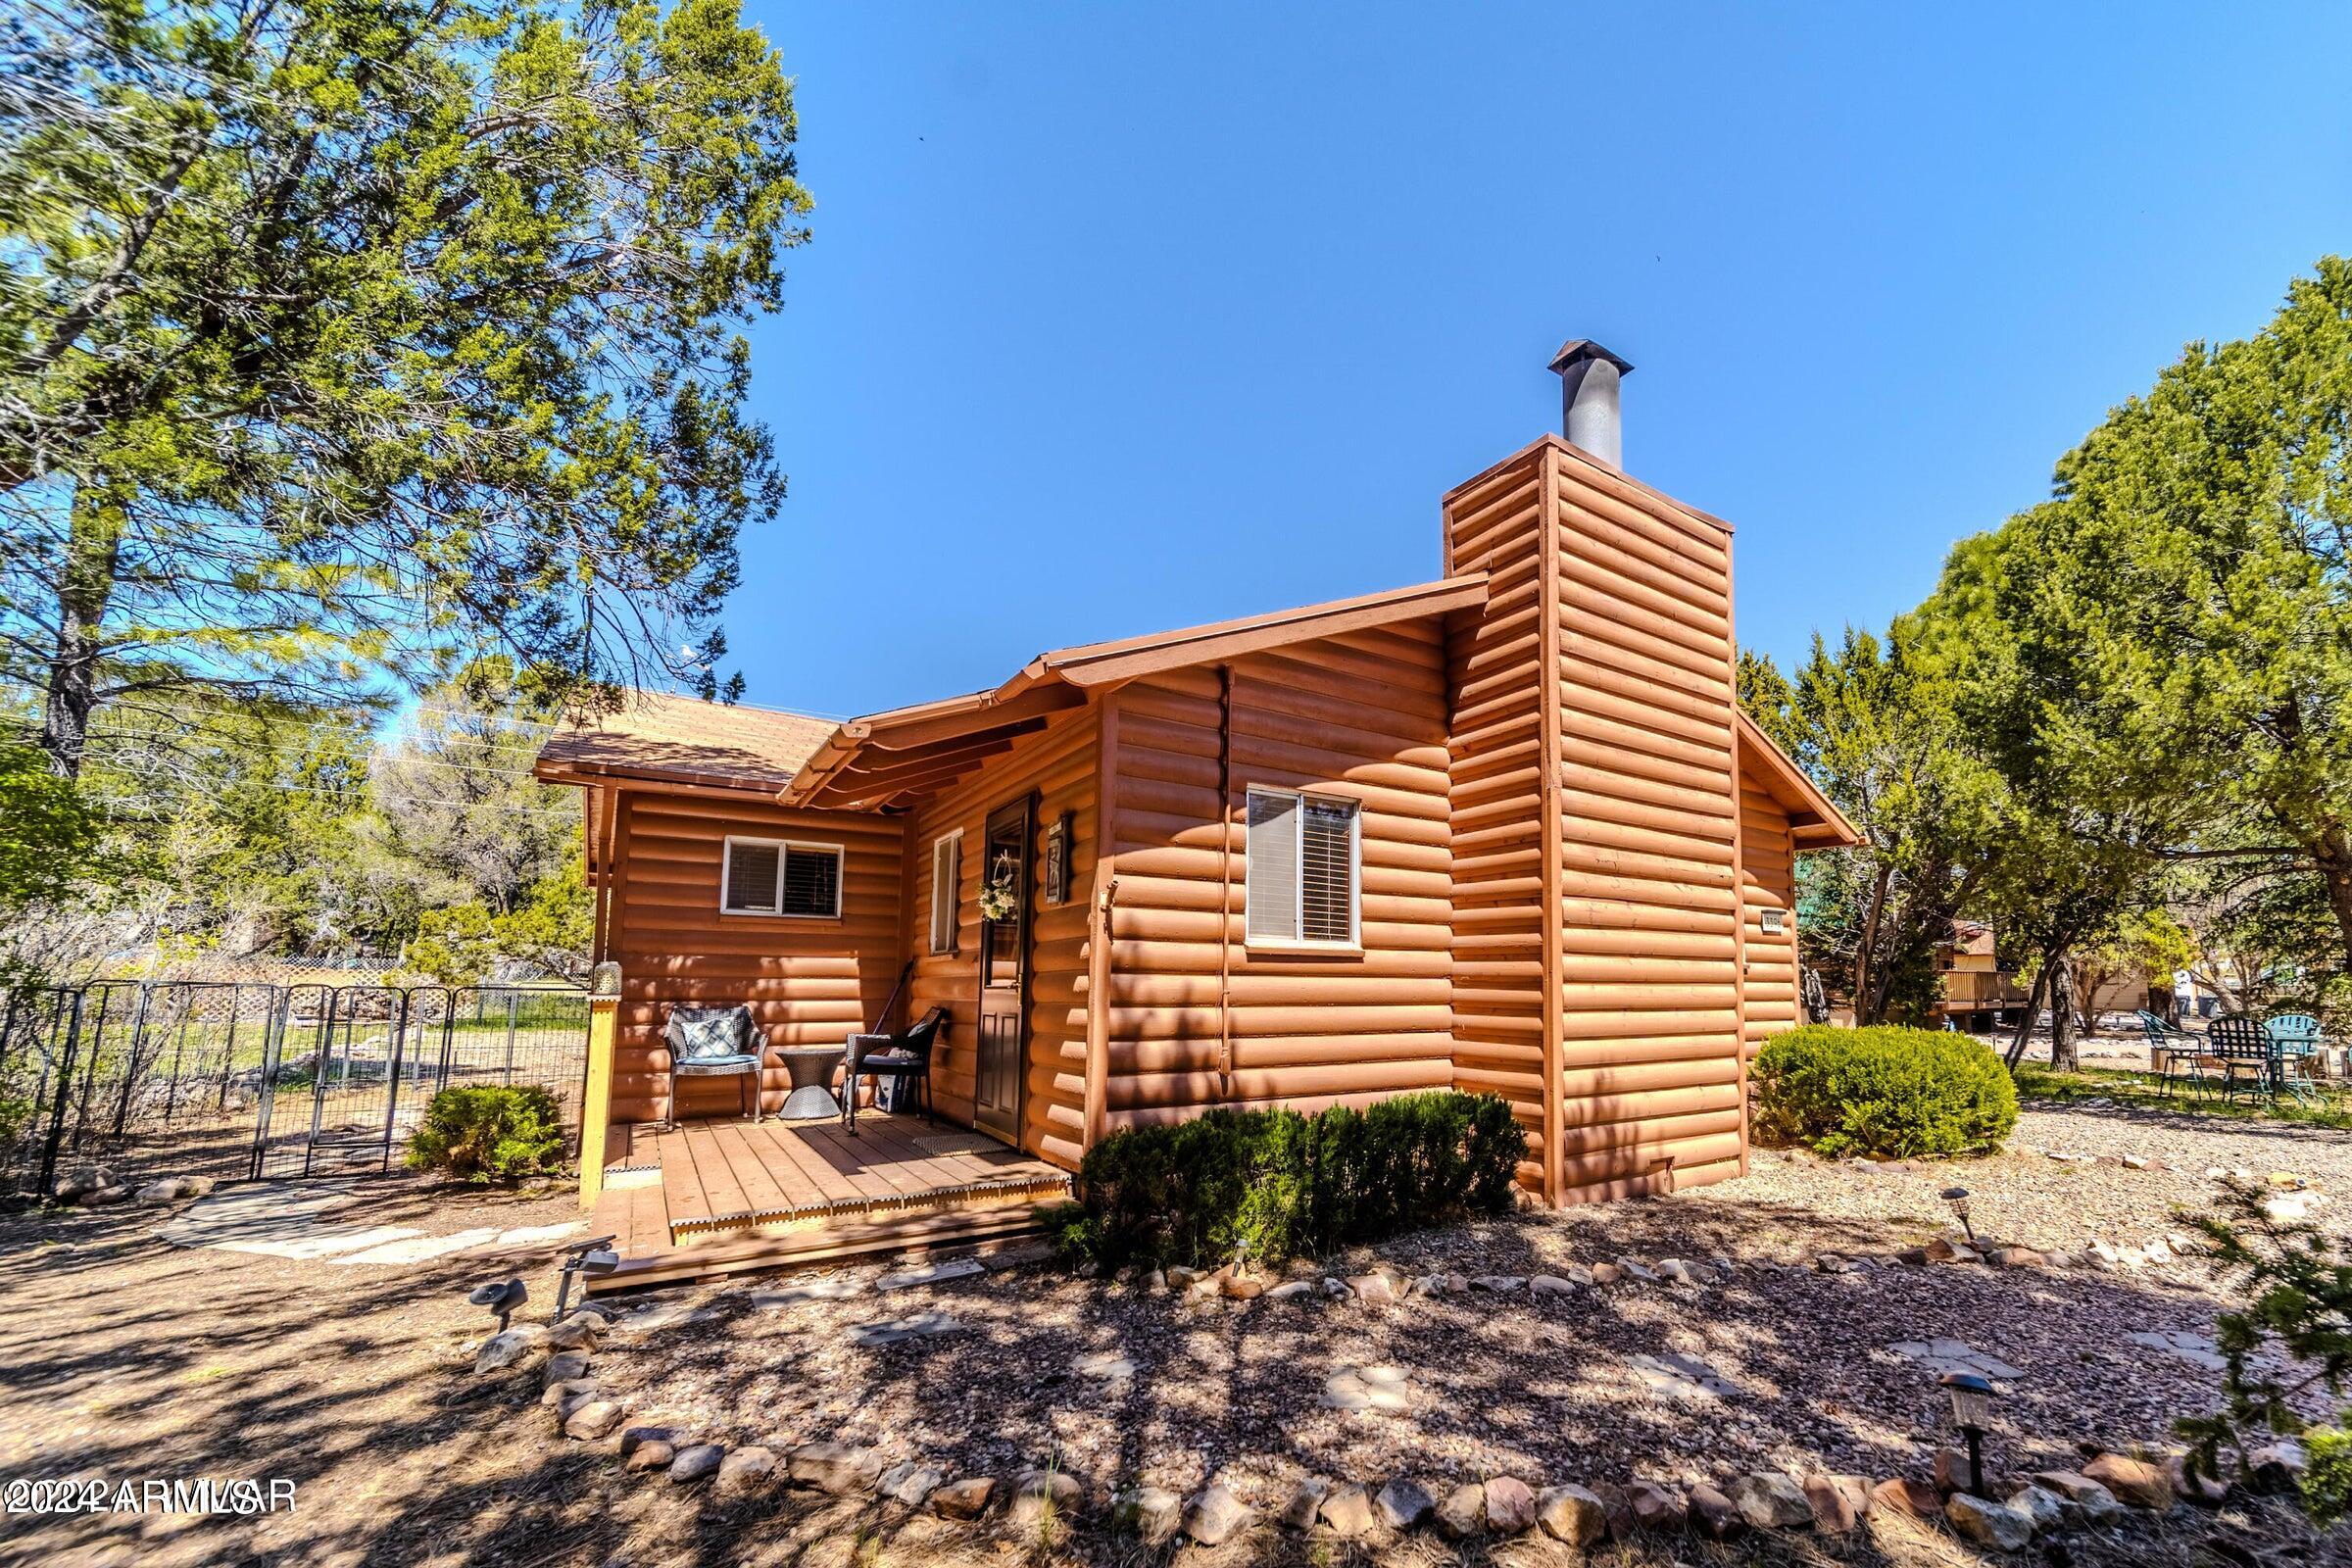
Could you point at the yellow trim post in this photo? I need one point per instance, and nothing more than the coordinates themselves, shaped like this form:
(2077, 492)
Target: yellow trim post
(595, 1109)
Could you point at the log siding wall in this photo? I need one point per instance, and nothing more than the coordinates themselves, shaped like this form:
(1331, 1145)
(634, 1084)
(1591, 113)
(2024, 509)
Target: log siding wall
(1058, 764)
(1198, 1019)
(1565, 870)
(807, 981)
(1649, 981)
(1768, 881)
(1502, 744)
(1598, 914)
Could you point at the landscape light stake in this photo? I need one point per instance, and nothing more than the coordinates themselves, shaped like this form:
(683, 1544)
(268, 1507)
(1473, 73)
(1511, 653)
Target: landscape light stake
(591, 1257)
(1972, 1408)
(501, 1296)
(1957, 1197)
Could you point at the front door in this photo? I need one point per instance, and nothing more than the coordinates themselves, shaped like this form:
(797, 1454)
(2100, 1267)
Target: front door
(1006, 874)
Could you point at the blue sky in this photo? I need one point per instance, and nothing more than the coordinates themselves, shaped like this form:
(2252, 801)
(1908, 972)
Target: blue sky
(1121, 317)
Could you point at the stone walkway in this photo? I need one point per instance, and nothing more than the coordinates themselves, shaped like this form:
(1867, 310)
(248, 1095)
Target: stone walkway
(300, 1223)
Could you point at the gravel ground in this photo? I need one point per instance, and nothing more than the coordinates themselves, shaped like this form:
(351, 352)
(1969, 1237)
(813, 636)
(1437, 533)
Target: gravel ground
(124, 1357)
(1538, 1387)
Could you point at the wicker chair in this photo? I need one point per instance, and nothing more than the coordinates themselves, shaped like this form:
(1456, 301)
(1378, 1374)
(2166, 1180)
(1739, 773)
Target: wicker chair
(905, 1056)
(712, 1042)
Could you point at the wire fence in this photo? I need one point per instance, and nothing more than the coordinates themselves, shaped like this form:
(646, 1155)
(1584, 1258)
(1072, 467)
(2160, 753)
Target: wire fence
(297, 1079)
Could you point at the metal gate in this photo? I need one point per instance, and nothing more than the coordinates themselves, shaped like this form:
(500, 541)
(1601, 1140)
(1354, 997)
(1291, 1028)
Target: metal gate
(262, 1080)
(348, 1070)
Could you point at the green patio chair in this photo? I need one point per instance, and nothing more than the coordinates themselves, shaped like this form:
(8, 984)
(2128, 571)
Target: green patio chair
(2172, 1052)
(2302, 1052)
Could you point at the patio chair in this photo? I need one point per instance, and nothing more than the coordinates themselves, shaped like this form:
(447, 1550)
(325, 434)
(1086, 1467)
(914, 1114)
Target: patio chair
(2246, 1054)
(2302, 1050)
(906, 1056)
(2172, 1052)
(712, 1042)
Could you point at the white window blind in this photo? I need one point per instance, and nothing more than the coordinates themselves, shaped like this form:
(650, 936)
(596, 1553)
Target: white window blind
(1272, 872)
(1327, 872)
(947, 871)
(769, 876)
(1301, 869)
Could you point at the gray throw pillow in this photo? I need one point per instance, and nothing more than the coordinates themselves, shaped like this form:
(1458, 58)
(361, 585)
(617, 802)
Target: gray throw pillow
(704, 1034)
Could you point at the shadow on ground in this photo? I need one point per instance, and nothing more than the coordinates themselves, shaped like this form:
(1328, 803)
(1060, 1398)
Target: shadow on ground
(125, 1358)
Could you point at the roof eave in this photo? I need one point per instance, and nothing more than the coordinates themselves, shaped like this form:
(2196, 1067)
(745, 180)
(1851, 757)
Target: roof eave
(1065, 677)
(1814, 824)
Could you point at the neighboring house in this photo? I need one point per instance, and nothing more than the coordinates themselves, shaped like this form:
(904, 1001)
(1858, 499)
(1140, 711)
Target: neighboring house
(1981, 992)
(1504, 831)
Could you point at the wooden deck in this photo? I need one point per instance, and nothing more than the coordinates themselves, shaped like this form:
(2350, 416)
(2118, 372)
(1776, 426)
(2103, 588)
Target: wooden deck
(721, 1196)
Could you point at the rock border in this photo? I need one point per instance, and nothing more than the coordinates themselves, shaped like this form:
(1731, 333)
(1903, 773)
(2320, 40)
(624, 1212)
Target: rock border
(2107, 1486)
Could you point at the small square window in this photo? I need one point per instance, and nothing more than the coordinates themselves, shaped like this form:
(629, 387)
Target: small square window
(775, 876)
(1303, 878)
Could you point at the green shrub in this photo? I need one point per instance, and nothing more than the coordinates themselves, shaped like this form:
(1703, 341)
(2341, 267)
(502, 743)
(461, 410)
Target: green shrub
(1270, 1185)
(1883, 1091)
(486, 1135)
(2327, 1486)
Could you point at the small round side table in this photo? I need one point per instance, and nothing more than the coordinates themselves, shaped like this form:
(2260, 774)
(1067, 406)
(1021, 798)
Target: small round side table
(811, 1071)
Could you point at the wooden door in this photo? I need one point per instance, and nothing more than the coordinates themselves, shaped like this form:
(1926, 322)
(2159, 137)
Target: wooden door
(1007, 870)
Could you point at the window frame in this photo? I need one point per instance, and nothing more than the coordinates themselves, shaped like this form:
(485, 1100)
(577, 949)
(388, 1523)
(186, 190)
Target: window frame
(953, 908)
(783, 849)
(1353, 941)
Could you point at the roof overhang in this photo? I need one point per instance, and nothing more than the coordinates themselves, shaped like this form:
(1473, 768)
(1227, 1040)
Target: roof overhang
(1813, 823)
(649, 777)
(885, 761)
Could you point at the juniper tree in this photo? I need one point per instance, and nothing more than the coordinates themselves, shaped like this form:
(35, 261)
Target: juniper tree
(1876, 729)
(351, 338)
(2190, 590)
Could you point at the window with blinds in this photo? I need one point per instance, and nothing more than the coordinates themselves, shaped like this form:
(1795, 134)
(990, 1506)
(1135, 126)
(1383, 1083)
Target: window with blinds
(1301, 871)
(947, 873)
(773, 876)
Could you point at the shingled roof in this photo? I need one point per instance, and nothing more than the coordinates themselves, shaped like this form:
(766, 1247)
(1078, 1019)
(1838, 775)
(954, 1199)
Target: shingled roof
(680, 738)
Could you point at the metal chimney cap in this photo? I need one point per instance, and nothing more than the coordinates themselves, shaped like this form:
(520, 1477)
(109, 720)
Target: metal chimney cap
(1579, 349)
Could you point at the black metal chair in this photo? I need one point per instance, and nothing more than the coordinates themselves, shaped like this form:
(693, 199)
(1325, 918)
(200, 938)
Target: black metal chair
(2246, 1053)
(712, 1043)
(906, 1056)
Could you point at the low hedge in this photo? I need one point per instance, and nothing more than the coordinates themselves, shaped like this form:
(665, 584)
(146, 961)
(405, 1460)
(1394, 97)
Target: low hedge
(1900, 1094)
(1268, 1185)
(487, 1135)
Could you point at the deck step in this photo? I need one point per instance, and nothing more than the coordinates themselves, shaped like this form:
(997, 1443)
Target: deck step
(832, 1245)
(700, 1230)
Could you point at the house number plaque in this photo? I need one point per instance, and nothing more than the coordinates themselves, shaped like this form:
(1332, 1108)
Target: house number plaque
(1058, 859)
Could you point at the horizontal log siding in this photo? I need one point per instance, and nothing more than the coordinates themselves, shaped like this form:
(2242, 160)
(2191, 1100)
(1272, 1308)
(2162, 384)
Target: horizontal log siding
(1495, 676)
(807, 982)
(1768, 881)
(1360, 714)
(1059, 762)
(1649, 981)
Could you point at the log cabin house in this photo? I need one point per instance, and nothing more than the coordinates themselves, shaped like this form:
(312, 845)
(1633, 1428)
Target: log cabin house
(1505, 831)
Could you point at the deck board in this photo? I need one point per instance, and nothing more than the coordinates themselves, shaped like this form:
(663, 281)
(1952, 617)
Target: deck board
(747, 1158)
(731, 1194)
(829, 1185)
